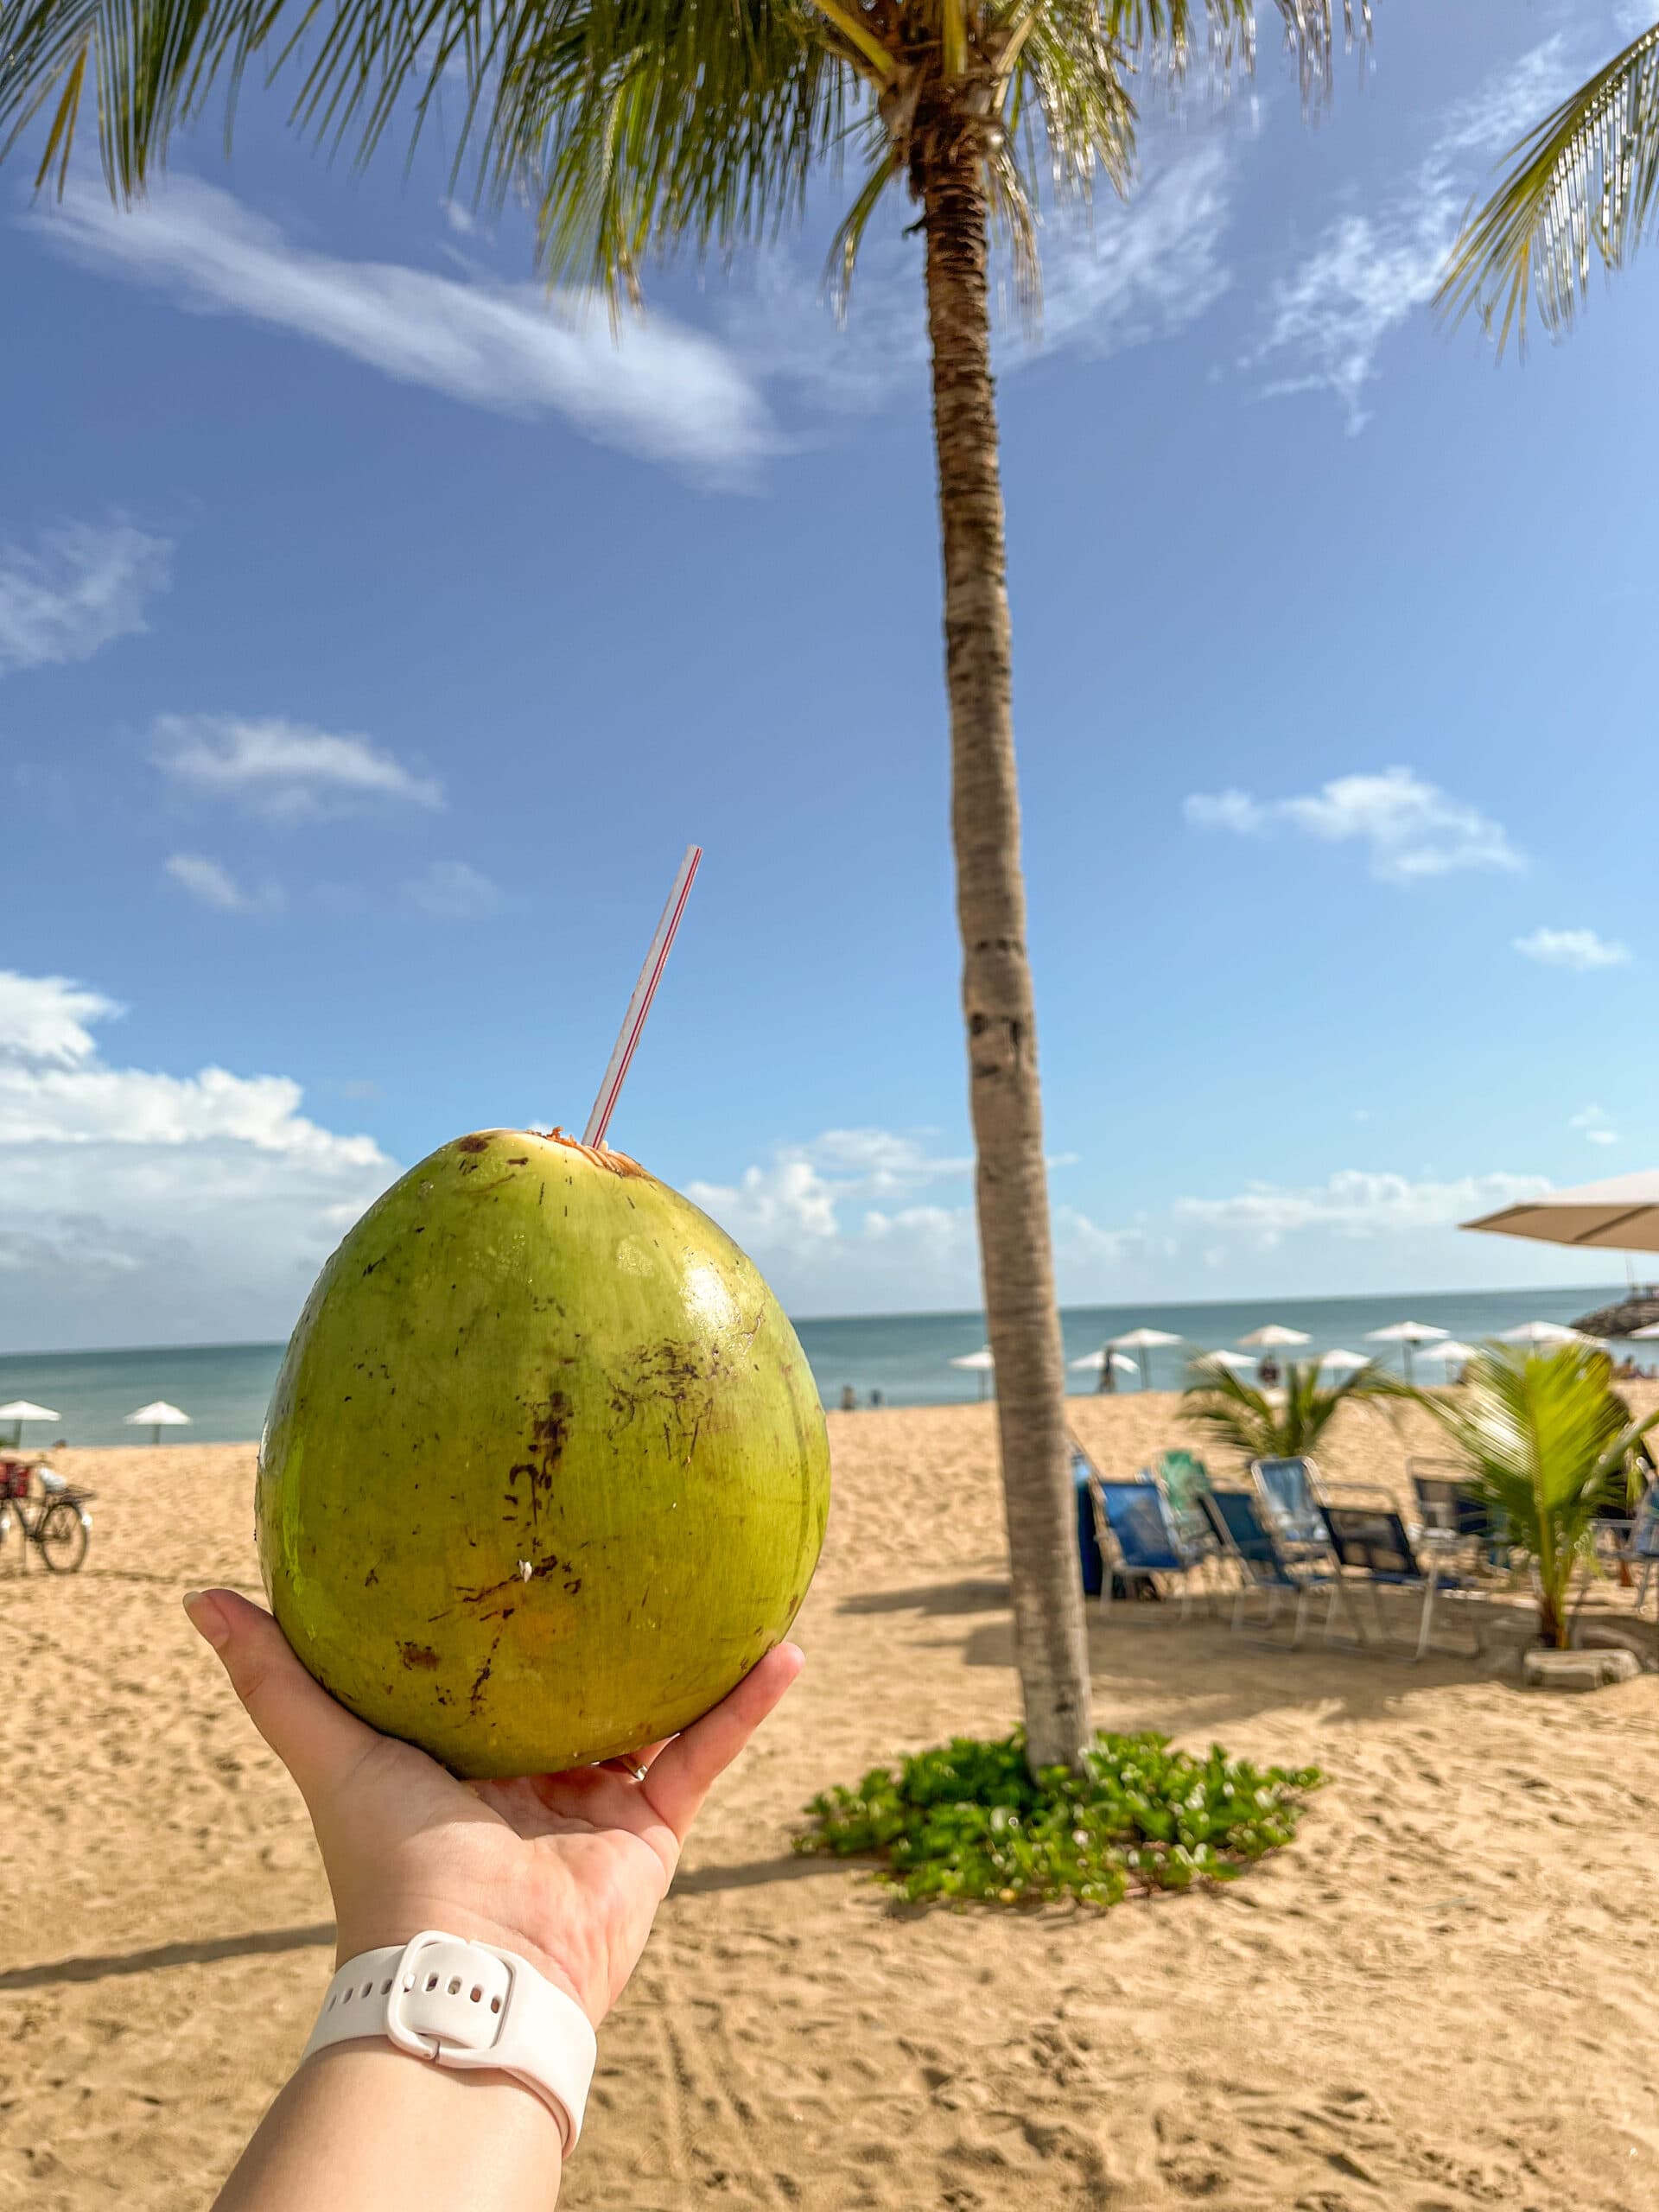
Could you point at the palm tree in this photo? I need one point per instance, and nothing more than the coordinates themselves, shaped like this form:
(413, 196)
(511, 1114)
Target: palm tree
(1587, 175)
(1255, 1424)
(635, 127)
(1546, 1440)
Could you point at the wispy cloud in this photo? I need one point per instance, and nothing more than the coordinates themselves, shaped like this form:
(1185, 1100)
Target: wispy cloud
(665, 391)
(1593, 1126)
(286, 770)
(1357, 1202)
(1370, 272)
(1409, 829)
(450, 890)
(1578, 949)
(1135, 271)
(213, 885)
(84, 586)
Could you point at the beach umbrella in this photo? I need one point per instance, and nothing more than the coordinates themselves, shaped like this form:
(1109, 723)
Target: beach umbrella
(1547, 1332)
(1342, 1363)
(1448, 1350)
(1143, 1341)
(156, 1417)
(20, 1411)
(1619, 1215)
(1238, 1361)
(1406, 1334)
(981, 1362)
(1643, 1336)
(1273, 1333)
(1092, 1362)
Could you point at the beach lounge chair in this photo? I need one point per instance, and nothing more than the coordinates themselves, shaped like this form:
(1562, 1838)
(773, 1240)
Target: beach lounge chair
(1184, 1479)
(1245, 1534)
(1289, 1491)
(1640, 1548)
(1140, 1542)
(1370, 1541)
(1084, 1480)
(1453, 1513)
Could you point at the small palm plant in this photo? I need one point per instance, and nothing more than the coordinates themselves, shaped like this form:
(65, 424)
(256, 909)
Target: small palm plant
(1546, 1440)
(1258, 1424)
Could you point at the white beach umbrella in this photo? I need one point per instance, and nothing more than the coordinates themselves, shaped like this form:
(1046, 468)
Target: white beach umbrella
(20, 1411)
(1619, 1215)
(1638, 1335)
(1342, 1363)
(158, 1416)
(981, 1362)
(1092, 1362)
(1547, 1332)
(1273, 1333)
(1239, 1362)
(1406, 1334)
(1143, 1341)
(1448, 1353)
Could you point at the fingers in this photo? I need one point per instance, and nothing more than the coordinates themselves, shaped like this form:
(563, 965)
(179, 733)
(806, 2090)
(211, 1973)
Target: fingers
(684, 1773)
(317, 1740)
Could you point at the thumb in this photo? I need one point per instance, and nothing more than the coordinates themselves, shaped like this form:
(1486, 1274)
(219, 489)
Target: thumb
(316, 1740)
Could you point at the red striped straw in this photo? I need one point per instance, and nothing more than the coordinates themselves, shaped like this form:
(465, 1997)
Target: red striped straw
(633, 1022)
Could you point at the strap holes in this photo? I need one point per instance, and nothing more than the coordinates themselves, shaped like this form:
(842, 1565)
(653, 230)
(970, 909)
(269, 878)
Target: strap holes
(477, 1993)
(495, 2003)
(385, 1986)
(455, 1985)
(431, 1982)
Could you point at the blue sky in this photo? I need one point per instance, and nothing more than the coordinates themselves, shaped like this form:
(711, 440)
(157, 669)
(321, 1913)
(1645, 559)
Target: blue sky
(374, 634)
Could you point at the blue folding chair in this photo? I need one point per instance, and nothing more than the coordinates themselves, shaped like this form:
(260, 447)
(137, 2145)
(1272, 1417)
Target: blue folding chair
(1289, 1491)
(1141, 1542)
(1248, 1538)
(1371, 1541)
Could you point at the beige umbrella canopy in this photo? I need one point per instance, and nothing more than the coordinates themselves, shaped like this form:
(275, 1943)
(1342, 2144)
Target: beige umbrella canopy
(1273, 1333)
(1619, 1215)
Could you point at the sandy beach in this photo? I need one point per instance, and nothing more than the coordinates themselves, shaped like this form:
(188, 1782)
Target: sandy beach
(1438, 1999)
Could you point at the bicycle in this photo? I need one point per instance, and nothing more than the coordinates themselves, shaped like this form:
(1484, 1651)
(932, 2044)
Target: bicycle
(56, 1522)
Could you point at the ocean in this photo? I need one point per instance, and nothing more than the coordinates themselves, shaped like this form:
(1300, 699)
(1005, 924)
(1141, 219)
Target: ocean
(905, 1356)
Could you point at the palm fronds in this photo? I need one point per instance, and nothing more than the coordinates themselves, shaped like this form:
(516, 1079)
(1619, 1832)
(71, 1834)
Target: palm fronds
(1587, 176)
(635, 127)
(1545, 1440)
(1258, 1424)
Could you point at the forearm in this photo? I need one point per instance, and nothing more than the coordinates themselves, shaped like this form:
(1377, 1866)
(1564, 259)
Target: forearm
(366, 2128)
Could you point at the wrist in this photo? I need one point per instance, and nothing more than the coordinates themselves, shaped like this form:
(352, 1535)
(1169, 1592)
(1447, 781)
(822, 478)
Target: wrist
(393, 1922)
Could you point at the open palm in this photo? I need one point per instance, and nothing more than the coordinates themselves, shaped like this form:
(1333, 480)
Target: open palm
(568, 1870)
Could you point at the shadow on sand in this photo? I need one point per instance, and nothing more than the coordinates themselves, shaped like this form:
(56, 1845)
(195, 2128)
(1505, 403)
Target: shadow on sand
(207, 1952)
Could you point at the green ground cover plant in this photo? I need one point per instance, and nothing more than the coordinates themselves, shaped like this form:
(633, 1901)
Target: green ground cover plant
(969, 1822)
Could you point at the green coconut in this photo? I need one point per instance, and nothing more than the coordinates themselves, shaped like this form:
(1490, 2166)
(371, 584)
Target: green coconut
(545, 1471)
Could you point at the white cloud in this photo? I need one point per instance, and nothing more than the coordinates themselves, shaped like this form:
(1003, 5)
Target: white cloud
(666, 392)
(1592, 1126)
(1410, 829)
(1133, 272)
(1578, 949)
(453, 891)
(1371, 272)
(87, 585)
(210, 882)
(284, 769)
(131, 1198)
(1357, 1202)
(45, 1020)
(841, 1224)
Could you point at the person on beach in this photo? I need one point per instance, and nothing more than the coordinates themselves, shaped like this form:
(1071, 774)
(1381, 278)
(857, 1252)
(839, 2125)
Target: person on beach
(563, 1872)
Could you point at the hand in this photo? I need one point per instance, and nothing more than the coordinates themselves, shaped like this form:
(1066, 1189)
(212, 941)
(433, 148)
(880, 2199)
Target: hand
(568, 1870)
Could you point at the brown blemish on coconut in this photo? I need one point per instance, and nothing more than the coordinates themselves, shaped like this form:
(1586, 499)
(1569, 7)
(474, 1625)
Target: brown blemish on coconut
(418, 1654)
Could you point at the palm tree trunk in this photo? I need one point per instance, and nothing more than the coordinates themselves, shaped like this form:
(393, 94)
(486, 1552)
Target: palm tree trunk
(1016, 1254)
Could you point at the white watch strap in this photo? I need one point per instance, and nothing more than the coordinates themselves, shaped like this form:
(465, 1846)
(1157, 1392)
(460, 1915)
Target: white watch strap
(467, 2006)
